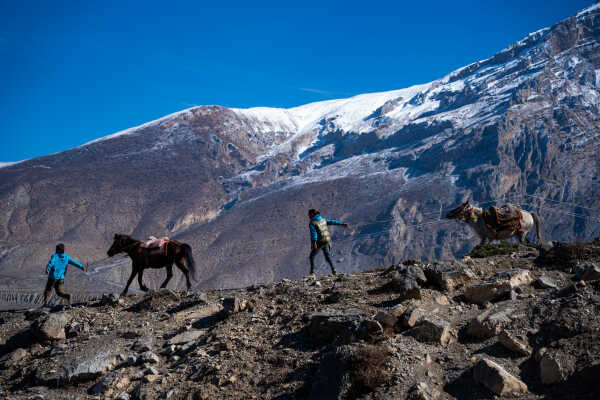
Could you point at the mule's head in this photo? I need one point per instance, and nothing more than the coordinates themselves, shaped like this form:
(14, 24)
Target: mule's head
(460, 211)
(119, 243)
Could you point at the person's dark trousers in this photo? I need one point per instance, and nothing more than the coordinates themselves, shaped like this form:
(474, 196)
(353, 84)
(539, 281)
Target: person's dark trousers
(326, 248)
(58, 288)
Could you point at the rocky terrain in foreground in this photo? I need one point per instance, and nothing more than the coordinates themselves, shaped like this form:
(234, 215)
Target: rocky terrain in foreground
(518, 324)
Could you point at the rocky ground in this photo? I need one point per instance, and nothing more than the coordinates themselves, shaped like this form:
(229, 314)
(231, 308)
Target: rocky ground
(520, 325)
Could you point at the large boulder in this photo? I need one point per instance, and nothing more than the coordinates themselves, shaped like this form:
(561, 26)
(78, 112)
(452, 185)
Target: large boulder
(449, 275)
(491, 322)
(431, 330)
(411, 272)
(407, 288)
(341, 326)
(79, 363)
(497, 379)
(498, 287)
(514, 344)
(51, 326)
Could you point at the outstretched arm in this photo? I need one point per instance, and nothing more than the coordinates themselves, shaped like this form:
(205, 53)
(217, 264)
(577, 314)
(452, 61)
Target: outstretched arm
(336, 222)
(75, 263)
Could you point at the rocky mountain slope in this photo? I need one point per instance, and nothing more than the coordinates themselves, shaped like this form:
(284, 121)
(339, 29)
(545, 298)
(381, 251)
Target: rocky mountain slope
(513, 325)
(522, 125)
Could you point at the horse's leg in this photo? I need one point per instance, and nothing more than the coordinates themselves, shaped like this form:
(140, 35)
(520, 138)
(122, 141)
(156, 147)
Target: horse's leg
(140, 275)
(134, 272)
(185, 271)
(522, 235)
(169, 276)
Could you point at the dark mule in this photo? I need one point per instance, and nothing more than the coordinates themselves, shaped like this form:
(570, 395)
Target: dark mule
(178, 253)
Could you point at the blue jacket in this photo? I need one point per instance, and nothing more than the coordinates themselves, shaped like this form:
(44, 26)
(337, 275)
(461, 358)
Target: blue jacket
(314, 236)
(57, 266)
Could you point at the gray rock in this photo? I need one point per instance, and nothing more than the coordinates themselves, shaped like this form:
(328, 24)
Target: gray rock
(204, 311)
(448, 275)
(12, 359)
(104, 385)
(497, 379)
(234, 304)
(51, 326)
(431, 330)
(138, 375)
(498, 287)
(369, 330)
(186, 348)
(77, 329)
(111, 299)
(149, 358)
(123, 396)
(387, 320)
(81, 363)
(142, 345)
(132, 360)
(546, 282)
(187, 336)
(331, 325)
(513, 344)
(151, 371)
(411, 272)
(407, 288)
(491, 322)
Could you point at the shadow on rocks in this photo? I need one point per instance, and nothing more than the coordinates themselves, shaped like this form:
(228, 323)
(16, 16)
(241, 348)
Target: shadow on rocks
(464, 387)
(22, 339)
(498, 351)
(210, 321)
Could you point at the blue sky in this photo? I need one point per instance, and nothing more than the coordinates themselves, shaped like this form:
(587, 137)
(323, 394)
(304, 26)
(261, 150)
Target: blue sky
(74, 71)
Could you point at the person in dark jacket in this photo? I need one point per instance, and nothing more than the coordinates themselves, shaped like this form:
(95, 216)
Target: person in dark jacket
(56, 270)
(320, 238)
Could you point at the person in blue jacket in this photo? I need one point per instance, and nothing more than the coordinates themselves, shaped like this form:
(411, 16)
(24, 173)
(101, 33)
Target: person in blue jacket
(56, 270)
(320, 238)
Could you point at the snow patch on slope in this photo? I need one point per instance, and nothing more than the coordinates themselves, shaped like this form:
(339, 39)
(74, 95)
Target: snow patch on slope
(587, 10)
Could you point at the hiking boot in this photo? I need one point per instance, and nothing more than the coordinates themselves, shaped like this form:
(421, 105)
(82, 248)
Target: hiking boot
(333, 272)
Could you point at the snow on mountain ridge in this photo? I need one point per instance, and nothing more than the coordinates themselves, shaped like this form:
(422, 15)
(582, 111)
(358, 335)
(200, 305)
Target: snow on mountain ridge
(492, 77)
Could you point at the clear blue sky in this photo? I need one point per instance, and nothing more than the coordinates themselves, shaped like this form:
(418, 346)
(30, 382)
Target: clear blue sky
(74, 71)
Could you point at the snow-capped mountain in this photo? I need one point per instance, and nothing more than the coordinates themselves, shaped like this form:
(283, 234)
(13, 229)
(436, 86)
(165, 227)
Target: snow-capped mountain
(523, 125)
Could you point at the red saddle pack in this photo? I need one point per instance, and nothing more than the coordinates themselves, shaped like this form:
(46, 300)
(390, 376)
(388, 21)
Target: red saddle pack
(505, 218)
(154, 246)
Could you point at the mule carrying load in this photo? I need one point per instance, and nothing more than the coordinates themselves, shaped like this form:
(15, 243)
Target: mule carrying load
(498, 223)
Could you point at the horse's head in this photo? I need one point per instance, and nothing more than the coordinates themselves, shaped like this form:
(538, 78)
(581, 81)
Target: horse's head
(460, 211)
(120, 242)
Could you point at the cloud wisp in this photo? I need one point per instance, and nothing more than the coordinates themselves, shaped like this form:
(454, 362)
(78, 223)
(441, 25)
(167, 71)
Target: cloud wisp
(318, 91)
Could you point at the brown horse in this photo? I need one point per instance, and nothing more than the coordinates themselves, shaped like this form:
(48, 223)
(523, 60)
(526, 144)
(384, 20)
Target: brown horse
(178, 253)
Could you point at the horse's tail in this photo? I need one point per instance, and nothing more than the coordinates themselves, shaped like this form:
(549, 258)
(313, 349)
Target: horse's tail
(189, 259)
(537, 227)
